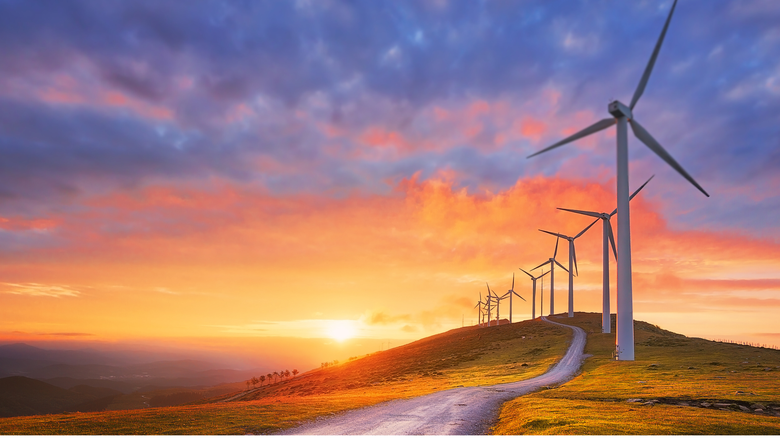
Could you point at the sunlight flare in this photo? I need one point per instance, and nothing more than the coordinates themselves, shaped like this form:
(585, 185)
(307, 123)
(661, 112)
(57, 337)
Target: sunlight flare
(341, 330)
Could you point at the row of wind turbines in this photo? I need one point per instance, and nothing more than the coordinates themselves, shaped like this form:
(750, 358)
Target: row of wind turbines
(622, 116)
(493, 302)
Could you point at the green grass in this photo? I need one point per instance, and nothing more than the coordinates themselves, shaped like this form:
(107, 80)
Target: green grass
(669, 368)
(462, 357)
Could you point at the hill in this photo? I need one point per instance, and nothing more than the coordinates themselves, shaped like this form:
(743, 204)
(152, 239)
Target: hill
(677, 385)
(460, 357)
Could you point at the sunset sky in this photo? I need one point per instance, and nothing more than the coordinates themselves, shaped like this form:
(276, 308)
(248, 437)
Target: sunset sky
(196, 170)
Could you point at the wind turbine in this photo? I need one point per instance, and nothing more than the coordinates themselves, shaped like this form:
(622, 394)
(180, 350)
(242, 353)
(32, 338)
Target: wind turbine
(552, 263)
(606, 236)
(489, 301)
(498, 300)
(572, 255)
(510, 293)
(479, 310)
(622, 116)
(533, 289)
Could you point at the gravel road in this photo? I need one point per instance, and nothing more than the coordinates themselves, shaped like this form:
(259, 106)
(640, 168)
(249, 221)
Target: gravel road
(463, 410)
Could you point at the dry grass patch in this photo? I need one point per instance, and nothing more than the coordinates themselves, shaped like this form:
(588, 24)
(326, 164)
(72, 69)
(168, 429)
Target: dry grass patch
(669, 367)
(547, 416)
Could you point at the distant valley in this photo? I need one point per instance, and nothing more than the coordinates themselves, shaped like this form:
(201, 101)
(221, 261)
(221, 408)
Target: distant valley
(45, 381)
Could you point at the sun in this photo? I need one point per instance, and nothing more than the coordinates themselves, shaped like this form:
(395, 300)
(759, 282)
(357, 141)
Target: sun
(341, 330)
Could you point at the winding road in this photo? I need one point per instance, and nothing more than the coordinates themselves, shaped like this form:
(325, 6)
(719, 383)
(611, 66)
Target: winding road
(459, 411)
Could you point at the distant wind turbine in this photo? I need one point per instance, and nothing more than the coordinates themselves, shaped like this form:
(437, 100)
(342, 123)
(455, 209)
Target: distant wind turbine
(498, 300)
(479, 309)
(572, 256)
(552, 261)
(533, 289)
(606, 236)
(489, 302)
(622, 116)
(510, 293)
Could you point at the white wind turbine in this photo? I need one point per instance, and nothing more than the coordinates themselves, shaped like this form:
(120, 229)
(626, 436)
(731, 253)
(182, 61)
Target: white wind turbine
(552, 261)
(479, 306)
(498, 300)
(489, 303)
(533, 289)
(572, 256)
(622, 116)
(510, 293)
(607, 238)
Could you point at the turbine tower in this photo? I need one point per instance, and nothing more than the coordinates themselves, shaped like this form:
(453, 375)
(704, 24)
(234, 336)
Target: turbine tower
(552, 263)
(533, 289)
(607, 238)
(622, 116)
(572, 256)
(498, 306)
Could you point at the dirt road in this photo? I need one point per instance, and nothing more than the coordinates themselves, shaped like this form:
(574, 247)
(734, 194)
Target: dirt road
(464, 410)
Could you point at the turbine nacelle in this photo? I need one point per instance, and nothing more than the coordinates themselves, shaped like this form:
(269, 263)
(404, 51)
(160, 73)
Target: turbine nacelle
(618, 109)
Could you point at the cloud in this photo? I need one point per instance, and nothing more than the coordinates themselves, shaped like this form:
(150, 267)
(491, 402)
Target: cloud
(36, 289)
(381, 318)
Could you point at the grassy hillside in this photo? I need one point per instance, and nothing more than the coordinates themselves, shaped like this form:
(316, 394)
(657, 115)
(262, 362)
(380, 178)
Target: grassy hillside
(461, 357)
(677, 385)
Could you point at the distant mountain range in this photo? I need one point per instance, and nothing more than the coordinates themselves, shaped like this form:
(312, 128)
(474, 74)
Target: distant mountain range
(42, 381)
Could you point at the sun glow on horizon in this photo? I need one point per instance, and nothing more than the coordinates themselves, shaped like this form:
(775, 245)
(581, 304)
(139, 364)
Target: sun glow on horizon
(341, 330)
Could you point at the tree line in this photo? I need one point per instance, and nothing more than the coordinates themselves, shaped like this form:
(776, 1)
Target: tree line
(271, 377)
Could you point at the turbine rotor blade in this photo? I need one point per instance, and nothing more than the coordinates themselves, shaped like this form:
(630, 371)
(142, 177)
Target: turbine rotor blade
(543, 274)
(582, 212)
(596, 127)
(558, 263)
(649, 69)
(556, 247)
(640, 188)
(520, 296)
(513, 281)
(647, 139)
(527, 273)
(612, 238)
(540, 265)
(586, 228)
(554, 234)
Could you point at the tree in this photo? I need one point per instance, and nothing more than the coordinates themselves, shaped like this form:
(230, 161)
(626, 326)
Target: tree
(294, 372)
(262, 379)
(276, 376)
(248, 382)
(269, 376)
(287, 373)
(255, 381)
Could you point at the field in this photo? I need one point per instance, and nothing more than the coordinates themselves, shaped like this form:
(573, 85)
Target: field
(461, 357)
(678, 385)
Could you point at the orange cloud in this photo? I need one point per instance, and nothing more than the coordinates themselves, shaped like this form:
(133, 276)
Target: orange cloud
(237, 253)
(19, 224)
(533, 128)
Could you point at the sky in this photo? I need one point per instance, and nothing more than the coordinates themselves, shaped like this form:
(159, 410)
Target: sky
(212, 170)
